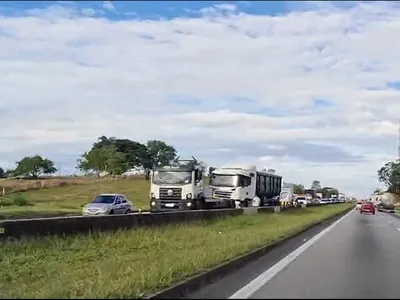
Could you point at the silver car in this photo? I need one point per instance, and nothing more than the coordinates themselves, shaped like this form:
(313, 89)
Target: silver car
(108, 204)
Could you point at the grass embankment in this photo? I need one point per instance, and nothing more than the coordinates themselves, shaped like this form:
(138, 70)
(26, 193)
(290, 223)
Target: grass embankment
(130, 263)
(70, 198)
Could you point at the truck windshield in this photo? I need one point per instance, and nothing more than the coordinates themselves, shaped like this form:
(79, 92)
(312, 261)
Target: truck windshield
(224, 180)
(172, 177)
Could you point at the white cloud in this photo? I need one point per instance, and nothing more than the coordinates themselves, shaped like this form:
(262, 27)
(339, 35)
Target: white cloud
(108, 5)
(67, 79)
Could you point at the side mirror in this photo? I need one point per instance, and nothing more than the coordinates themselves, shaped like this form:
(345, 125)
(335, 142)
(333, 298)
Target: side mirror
(118, 202)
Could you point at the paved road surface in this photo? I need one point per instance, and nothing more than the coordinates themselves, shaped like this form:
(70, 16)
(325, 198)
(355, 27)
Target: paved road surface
(358, 257)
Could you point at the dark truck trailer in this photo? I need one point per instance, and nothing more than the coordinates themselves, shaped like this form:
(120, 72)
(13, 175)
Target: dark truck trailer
(268, 188)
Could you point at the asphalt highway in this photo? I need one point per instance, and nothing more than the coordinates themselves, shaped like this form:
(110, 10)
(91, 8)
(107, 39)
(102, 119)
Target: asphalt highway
(357, 257)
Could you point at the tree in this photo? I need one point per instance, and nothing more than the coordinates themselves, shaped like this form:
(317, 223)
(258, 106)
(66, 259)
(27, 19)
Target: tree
(389, 174)
(202, 165)
(316, 185)
(160, 153)
(34, 166)
(9, 173)
(103, 159)
(298, 188)
(327, 192)
(136, 153)
(210, 170)
(2, 173)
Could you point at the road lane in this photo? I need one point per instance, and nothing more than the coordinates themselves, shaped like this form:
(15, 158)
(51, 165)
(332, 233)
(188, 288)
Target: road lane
(358, 258)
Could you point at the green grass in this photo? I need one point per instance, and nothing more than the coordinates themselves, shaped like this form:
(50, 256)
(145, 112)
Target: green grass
(131, 263)
(69, 199)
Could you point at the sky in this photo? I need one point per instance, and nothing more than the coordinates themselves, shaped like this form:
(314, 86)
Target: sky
(310, 89)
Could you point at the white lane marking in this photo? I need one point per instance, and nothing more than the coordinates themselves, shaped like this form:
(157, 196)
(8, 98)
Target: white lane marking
(249, 289)
(398, 229)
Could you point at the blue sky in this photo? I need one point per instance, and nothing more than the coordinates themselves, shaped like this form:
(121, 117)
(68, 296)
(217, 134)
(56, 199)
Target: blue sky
(151, 9)
(308, 88)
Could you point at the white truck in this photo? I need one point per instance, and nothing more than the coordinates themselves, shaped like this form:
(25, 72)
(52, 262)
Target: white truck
(178, 186)
(287, 195)
(342, 197)
(243, 186)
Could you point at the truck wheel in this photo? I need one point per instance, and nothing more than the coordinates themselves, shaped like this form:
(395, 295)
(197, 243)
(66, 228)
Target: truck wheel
(201, 204)
(111, 212)
(232, 204)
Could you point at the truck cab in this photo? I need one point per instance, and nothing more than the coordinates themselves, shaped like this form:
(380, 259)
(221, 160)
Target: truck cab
(238, 186)
(178, 186)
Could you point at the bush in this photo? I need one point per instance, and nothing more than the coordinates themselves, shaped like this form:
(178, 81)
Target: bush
(5, 202)
(19, 200)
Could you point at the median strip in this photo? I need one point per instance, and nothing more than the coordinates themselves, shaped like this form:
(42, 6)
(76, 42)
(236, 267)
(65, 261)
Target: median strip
(137, 263)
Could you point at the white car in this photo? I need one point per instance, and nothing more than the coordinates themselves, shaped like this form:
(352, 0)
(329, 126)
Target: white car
(358, 205)
(302, 200)
(108, 204)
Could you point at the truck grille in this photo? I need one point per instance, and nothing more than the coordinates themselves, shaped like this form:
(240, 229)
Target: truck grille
(222, 194)
(176, 193)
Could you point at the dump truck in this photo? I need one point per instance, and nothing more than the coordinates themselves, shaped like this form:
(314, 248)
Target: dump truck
(386, 202)
(243, 186)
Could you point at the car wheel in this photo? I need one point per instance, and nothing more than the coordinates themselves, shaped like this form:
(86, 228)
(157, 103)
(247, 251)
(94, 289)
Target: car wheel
(111, 212)
(128, 211)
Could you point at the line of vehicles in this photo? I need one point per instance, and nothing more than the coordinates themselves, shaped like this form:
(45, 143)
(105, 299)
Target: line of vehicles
(180, 186)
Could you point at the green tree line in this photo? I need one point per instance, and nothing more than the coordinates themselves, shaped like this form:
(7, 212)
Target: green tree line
(111, 155)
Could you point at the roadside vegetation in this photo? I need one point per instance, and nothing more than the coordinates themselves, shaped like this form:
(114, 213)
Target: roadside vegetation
(133, 263)
(69, 199)
(389, 175)
(106, 166)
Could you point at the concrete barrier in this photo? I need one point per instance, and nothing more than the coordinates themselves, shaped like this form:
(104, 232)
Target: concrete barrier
(85, 224)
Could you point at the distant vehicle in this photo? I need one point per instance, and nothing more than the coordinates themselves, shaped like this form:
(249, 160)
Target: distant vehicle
(386, 202)
(324, 201)
(108, 204)
(358, 205)
(367, 207)
(286, 197)
(302, 200)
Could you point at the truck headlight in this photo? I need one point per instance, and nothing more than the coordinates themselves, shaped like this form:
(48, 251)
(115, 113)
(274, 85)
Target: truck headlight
(153, 203)
(189, 196)
(153, 196)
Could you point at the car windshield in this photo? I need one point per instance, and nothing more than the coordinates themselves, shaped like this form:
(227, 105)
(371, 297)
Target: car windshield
(224, 180)
(301, 198)
(106, 199)
(172, 177)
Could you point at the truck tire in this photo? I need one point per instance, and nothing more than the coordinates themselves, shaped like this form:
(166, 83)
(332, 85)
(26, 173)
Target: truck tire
(201, 204)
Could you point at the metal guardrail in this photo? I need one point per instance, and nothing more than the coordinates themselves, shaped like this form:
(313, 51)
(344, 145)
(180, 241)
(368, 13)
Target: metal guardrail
(83, 224)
